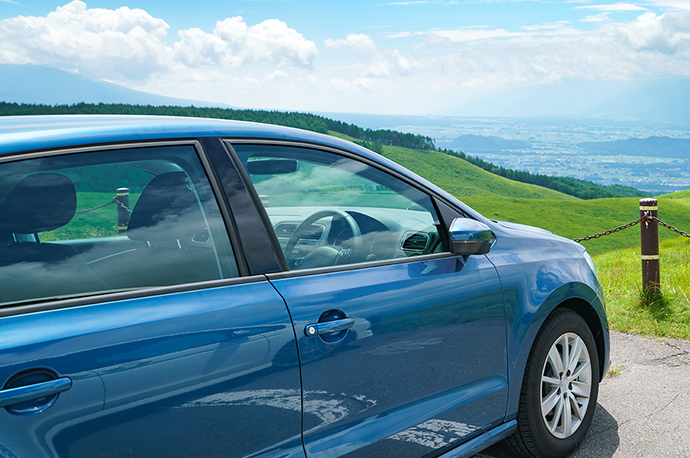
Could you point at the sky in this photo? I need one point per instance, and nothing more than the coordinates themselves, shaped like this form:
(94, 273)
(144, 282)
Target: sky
(385, 57)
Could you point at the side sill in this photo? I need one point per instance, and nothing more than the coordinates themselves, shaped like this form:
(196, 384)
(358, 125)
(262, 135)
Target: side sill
(476, 445)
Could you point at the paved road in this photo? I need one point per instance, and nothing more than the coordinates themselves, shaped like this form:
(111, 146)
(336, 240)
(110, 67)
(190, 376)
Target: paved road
(644, 411)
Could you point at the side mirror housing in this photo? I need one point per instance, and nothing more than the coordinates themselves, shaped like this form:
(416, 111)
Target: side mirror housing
(468, 236)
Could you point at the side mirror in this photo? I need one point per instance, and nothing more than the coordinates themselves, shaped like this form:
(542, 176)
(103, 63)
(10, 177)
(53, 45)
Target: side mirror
(468, 236)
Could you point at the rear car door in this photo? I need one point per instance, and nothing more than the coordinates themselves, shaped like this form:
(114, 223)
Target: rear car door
(143, 336)
(402, 345)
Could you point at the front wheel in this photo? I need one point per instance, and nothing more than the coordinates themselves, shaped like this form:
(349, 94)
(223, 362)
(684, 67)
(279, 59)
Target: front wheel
(559, 392)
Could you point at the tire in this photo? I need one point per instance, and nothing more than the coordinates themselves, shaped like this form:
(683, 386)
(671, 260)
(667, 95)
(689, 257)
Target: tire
(557, 400)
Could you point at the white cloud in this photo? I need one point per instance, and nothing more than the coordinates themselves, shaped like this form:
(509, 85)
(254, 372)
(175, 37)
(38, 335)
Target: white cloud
(360, 44)
(613, 7)
(380, 65)
(678, 4)
(479, 34)
(650, 46)
(233, 43)
(129, 44)
(99, 42)
(601, 17)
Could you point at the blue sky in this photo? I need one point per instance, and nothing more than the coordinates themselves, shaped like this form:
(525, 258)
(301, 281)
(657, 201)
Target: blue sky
(393, 57)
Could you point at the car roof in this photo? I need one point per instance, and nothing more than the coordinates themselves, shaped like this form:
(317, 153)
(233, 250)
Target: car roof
(31, 133)
(38, 133)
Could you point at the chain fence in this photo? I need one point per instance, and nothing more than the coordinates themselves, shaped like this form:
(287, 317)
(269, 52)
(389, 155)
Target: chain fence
(647, 217)
(114, 201)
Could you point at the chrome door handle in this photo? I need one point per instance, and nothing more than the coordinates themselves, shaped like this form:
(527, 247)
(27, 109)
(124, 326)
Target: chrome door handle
(328, 327)
(27, 393)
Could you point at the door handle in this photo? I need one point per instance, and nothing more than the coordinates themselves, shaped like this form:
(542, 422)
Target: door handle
(328, 327)
(27, 393)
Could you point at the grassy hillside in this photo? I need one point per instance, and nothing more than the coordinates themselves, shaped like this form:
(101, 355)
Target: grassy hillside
(499, 198)
(461, 178)
(575, 219)
(621, 277)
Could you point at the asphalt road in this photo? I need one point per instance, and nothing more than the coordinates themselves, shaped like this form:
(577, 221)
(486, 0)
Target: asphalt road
(644, 410)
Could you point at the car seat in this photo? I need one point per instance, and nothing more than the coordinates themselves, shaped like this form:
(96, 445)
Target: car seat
(29, 268)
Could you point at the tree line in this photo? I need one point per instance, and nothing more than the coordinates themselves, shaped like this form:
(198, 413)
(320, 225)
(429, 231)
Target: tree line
(299, 120)
(371, 139)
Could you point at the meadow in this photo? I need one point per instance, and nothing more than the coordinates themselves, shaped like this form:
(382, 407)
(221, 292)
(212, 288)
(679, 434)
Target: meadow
(617, 256)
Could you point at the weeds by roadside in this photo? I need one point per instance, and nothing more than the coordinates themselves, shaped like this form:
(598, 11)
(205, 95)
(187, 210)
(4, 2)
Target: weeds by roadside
(630, 309)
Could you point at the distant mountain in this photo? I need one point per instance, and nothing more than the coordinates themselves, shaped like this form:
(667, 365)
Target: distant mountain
(474, 143)
(646, 147)
(666, 100)
(44, 85)
(560, 99)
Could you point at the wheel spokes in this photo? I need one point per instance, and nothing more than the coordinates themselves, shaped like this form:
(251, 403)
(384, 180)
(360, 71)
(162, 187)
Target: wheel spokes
(550, 402)
(566, 385)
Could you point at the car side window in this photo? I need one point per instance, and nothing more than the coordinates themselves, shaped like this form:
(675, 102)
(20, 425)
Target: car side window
(106, 221)
(328, 209)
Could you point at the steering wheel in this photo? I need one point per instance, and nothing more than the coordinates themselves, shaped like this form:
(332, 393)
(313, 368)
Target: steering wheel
(326, 255)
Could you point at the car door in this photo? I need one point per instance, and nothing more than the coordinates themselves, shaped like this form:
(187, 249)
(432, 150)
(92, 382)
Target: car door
(402, 345)
(150, 340)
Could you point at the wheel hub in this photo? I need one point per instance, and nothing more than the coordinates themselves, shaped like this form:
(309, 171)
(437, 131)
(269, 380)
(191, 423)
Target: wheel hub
(566, 385)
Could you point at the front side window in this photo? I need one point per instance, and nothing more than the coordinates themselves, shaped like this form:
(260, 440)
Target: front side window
(327, 209)
(108, 221)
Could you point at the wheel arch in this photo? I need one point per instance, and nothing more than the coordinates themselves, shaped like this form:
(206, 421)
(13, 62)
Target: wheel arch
(581, 299)
(587, 312)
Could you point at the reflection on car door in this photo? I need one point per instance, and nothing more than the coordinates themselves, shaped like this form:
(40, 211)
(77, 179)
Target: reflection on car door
(422, 368)
(155, 345)
(194, 373)
(402, 355)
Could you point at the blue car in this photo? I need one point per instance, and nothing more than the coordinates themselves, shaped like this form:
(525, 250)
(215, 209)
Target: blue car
(181, 287)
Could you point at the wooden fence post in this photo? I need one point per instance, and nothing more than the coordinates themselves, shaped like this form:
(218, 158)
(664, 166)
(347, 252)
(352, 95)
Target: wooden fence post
(649, 238)
(122, 195)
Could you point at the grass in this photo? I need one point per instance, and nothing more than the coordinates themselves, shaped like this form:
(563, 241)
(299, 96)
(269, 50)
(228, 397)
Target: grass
(98, 223)
(499, 198)
(576, 219)
(630, 310)
(617, 256)
(616, 371)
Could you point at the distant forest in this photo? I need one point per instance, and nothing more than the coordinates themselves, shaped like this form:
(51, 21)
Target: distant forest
(371, 139)
(305, 121)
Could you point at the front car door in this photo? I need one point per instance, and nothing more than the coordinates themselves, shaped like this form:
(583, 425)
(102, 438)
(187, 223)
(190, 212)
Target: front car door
(150, 339)
(402, 345)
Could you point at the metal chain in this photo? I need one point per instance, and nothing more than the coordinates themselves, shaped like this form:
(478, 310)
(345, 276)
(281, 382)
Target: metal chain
(114, 201)
(619, 228)
(668, 226)
(646, 217)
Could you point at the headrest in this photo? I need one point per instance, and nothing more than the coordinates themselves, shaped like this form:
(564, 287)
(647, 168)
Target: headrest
(38, 203)
(167, 210)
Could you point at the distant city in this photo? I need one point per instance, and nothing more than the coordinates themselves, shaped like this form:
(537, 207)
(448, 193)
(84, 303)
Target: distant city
(585, 148)
(639, 139)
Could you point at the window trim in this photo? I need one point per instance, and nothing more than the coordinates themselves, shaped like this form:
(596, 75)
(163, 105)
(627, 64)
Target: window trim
(46, 304)
(361, 265)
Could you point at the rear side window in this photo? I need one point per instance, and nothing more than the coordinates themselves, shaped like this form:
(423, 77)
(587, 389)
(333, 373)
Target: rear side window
(108, 221)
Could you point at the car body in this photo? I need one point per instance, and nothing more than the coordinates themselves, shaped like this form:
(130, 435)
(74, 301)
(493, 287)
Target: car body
(273, 292)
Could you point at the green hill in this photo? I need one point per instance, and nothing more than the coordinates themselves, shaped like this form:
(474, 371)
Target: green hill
(503, 199)
(576, 219)
(461, 178)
